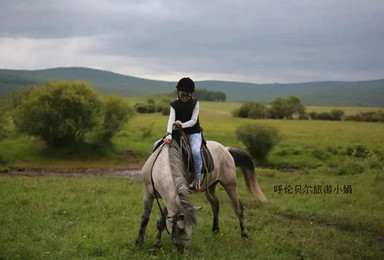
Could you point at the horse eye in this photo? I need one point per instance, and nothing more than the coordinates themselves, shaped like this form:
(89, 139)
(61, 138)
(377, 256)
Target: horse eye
(181, 217)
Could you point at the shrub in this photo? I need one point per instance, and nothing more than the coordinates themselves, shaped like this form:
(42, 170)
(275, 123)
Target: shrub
(357, 118)
(313, 115)
(60, 112)
(351, 169)
(252, 110)
(259, 140)
(144, 108)
(372, 116)
(5, 124)
(359, 151)
(116, 112)
(324, 116)
(164, 106)
(337, 114)
(286, 107)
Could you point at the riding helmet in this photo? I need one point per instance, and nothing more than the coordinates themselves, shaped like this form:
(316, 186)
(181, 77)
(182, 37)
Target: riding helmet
(186, 84)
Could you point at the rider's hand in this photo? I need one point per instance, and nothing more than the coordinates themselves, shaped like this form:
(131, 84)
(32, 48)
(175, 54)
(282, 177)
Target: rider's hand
(178, 123)
(167, 140)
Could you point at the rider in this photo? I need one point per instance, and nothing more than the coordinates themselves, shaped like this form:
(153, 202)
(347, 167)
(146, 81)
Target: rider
(184, 113)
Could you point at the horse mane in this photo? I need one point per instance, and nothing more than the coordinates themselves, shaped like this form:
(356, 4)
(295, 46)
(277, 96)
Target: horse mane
(178, 171)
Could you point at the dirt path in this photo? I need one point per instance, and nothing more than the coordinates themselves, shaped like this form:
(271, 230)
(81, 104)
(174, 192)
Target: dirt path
(124, 172)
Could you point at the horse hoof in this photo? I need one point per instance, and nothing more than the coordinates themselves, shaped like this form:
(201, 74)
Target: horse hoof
(244, 235)
(154, 251)
(215, 231)
(138, 242)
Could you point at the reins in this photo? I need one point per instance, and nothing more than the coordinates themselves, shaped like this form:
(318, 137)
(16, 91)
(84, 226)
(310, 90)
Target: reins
(154, 189)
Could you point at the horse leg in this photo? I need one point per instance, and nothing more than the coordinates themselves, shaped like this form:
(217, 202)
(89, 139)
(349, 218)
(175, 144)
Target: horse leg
(147, 207)
(215, 205)
(234, 196)
(161, 224)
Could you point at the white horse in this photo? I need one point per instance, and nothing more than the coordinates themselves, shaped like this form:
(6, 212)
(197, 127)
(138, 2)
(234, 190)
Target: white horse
(164, 177)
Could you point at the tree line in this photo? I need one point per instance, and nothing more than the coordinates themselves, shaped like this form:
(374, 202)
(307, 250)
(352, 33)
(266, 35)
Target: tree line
(291, 107)
(164, 104)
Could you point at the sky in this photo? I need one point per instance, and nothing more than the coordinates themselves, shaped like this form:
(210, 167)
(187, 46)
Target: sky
(258, 41)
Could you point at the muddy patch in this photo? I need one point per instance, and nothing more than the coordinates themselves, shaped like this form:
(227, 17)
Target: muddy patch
(122, 172)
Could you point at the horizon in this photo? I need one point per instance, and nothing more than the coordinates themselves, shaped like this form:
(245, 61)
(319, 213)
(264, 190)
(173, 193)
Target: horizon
(206, 80)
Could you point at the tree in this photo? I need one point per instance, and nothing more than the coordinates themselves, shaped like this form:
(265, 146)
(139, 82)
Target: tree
(286, 107)
(253, 110)
(60, 112)
(337, 114)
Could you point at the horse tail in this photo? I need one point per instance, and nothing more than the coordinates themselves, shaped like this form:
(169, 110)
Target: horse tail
(244, 161)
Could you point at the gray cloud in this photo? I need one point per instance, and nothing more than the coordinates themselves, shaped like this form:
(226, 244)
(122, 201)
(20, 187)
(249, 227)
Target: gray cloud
(258, 41)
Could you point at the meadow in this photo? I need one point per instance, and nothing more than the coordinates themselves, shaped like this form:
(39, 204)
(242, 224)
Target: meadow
(324, 182)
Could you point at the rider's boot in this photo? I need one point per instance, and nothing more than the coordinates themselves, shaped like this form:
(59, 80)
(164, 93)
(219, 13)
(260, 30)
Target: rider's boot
(195, 184)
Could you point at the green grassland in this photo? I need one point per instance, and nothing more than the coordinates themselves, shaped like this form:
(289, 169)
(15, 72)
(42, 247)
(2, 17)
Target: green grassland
(323, 203)
(86, 218)
(304, 143)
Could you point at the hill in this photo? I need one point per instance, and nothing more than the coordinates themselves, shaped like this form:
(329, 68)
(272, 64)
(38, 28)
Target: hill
(335, 93)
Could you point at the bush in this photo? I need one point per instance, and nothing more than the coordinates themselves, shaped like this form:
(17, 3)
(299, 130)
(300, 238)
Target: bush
(286, 107)
(259, 140)
(144, 108)
(334, 115)
(116, 112)
(372, 116)
(206, 95)
(351, 169)
(324, 116)
(359, 151)
(164, 106)
(252, 110)
(337, 114)
(61, 113)
(5, 124)
(313, 115)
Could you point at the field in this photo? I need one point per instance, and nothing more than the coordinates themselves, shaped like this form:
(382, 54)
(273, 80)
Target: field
(324, 202)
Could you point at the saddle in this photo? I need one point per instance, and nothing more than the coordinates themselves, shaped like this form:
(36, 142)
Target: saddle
(181, 139)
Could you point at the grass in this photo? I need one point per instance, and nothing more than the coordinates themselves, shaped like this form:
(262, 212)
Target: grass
(98, 217)
(86, 218)
(304, 143)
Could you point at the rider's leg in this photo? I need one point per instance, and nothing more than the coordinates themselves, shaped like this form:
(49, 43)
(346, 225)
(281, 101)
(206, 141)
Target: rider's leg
(195, 142)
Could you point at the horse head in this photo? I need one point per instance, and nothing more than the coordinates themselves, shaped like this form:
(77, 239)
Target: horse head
(181, 231)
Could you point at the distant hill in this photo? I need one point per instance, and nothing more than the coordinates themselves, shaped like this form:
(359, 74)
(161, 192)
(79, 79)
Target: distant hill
(327, 93)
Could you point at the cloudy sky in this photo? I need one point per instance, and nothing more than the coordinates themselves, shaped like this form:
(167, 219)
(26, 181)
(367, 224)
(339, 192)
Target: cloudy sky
(259, 41)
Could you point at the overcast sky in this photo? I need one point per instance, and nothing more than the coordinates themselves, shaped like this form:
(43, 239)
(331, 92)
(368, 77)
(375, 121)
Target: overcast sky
(259, 41)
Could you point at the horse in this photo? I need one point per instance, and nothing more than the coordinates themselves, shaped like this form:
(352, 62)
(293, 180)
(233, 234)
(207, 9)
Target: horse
(163, 177)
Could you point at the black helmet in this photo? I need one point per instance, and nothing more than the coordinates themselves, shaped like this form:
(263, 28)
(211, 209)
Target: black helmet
(186, 84)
